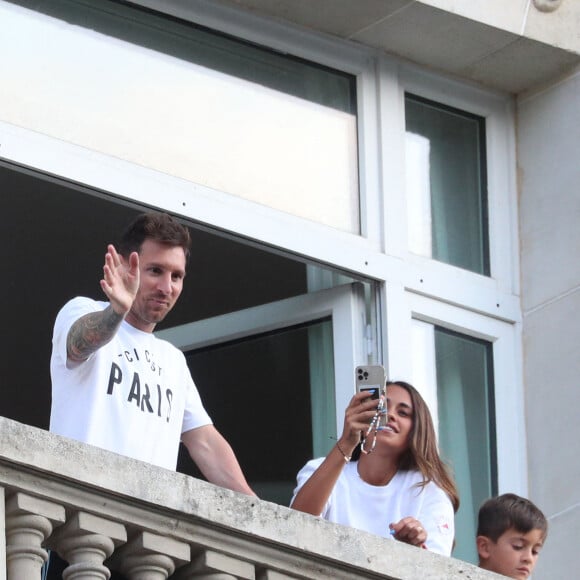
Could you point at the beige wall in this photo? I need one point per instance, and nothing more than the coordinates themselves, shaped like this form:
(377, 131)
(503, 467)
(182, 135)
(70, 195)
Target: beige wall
(549, 149)
(558, 27)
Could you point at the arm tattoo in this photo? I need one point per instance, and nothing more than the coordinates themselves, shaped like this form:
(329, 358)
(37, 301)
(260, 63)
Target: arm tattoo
(91, 332)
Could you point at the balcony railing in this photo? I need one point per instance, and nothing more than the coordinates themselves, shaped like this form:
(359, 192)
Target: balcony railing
(100, 511)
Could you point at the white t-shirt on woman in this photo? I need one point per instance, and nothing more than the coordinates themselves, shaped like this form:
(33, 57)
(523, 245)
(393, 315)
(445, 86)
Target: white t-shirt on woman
(371, 508)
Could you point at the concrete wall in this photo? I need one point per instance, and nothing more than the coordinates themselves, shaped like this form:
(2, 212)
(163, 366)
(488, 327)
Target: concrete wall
(554, 22)
(549, 167)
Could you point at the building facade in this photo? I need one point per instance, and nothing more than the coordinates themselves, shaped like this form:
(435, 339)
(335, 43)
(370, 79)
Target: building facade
(388, 182)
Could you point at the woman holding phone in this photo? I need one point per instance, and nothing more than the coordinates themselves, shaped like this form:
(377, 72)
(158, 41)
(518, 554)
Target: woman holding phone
(395, 486)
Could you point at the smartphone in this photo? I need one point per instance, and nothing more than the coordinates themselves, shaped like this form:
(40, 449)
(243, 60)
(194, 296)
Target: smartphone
(372, 378)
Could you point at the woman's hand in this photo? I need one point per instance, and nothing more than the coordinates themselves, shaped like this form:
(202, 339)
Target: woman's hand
(357, 418)
(410, 531)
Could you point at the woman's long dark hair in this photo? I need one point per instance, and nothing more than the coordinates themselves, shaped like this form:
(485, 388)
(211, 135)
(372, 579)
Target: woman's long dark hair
(422, 453)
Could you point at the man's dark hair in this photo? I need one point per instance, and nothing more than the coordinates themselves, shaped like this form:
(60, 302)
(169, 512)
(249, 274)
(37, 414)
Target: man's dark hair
(157, 226)
(506, 511)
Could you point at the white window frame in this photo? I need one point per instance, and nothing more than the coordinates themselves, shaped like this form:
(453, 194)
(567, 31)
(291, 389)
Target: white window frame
(351, 58)
(498, 112)
(436, 293)
(220, 210)
(410, 285)
(505, 339)
(343, 304)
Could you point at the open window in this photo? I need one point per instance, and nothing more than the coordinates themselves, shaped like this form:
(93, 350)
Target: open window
(276, 379)
(272, 356)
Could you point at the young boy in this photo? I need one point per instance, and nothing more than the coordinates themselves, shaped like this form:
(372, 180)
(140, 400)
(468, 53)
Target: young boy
(511, 531)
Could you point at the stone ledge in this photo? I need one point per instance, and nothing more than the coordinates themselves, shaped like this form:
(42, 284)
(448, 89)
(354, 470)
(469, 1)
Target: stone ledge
(197, 509)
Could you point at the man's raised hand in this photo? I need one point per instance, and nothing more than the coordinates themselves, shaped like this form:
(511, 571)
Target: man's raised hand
(120, 279)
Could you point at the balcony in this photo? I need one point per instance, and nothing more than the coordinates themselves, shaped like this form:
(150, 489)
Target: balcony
(102, 511)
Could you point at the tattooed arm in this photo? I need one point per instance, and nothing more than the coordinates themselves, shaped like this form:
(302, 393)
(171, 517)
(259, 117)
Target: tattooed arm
(92, 331)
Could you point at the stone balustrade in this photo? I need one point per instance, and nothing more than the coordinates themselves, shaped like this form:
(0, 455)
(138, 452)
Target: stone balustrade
(100, 512)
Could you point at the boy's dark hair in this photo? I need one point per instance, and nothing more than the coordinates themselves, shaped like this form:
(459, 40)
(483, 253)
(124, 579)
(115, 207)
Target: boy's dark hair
(506, 511)
(157, 226)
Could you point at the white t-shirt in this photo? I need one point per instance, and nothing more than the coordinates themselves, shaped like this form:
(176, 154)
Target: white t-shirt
(371, 508)
(134, 396)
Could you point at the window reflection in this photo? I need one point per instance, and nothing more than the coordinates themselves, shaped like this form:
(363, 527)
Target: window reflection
(446, 185)
(465, 398)
(214, 111)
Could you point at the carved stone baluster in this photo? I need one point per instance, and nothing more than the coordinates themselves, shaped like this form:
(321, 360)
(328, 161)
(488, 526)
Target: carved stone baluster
(210, 565)
(29, 521)
(266, 574)
(547, 5)
(2, 532)
(187, 573)
(85, 542)
(150, 557)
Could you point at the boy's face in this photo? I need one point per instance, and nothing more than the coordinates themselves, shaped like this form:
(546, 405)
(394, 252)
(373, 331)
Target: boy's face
(514, 554)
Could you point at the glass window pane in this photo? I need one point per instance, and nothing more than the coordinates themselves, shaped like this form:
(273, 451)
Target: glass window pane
(446, 184)
(167, 95)
(267, 399)
(466, 434)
